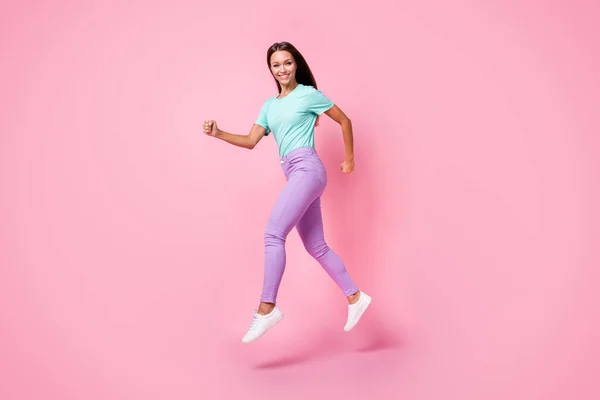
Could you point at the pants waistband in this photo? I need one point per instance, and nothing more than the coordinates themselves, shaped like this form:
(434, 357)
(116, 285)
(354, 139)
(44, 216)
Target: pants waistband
(298, 152)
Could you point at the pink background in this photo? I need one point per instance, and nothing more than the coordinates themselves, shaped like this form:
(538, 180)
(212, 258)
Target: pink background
(131, 244)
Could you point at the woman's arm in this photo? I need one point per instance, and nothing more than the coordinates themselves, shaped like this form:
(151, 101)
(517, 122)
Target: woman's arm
(338, 116)
(246, 141)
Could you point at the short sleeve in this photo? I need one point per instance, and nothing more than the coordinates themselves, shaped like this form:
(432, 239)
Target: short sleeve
(262, 117)
(317, 102)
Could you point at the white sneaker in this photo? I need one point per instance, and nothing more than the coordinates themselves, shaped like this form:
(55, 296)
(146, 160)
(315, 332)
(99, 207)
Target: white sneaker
(261, 324)
(356, 310)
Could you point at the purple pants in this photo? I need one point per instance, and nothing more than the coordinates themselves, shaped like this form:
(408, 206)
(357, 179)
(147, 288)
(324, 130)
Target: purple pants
(299, 205)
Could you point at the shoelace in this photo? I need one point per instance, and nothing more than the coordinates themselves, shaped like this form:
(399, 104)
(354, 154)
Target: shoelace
(255, 320)
(352, 309)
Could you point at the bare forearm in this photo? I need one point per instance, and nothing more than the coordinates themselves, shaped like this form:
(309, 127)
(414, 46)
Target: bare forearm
(348, 139)
(236, 140)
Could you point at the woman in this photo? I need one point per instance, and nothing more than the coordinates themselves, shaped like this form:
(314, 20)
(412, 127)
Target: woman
(292, 116)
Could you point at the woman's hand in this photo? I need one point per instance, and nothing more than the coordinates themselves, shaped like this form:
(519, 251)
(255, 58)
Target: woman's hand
(347, 166)
(210, 128)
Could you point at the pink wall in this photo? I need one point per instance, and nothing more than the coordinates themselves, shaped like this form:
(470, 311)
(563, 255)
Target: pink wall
(131, 244)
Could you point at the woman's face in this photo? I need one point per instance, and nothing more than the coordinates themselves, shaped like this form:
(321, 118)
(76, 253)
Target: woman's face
(283, 67)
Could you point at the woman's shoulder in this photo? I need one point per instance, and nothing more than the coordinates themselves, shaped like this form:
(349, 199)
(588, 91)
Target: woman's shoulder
(267, 101)
(306, 90)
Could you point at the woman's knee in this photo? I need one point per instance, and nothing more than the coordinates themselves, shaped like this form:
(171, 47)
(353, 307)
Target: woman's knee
(316, 249)
(274, 237)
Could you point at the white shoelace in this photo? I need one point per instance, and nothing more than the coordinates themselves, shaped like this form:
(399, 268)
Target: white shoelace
(352, 308)
(255, 321)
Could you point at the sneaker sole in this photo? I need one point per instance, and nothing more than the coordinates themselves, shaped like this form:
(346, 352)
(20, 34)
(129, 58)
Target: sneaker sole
(271, 325)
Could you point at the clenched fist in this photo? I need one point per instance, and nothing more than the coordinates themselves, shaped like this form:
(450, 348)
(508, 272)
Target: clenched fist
(210, 128)
(347, 167)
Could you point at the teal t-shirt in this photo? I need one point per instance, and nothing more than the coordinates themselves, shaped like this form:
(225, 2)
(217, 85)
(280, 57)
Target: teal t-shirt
(292, 118)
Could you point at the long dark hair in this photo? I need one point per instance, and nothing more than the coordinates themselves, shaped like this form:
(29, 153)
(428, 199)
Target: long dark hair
(303, 72)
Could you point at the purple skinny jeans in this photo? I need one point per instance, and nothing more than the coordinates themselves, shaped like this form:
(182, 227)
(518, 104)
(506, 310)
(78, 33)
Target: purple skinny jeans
(299, 205)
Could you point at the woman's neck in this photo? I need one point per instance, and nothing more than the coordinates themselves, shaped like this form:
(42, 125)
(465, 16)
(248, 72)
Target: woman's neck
(287, 89)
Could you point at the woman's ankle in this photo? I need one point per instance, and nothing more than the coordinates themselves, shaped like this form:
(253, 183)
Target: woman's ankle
(265, 308)
(353, 298)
